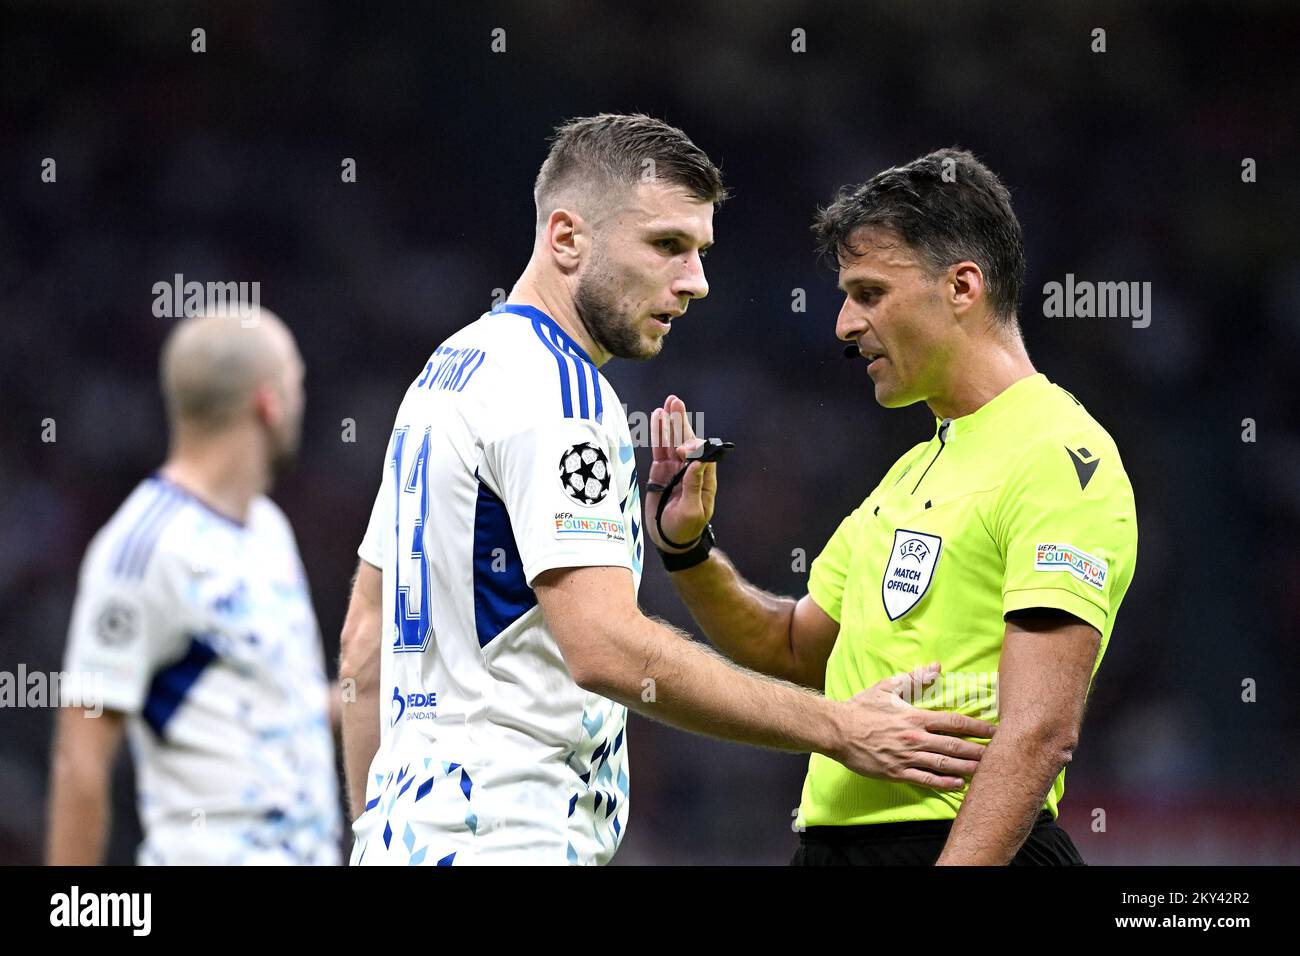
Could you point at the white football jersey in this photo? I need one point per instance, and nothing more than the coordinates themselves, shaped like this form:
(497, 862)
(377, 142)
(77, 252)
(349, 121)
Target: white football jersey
(202, 631)
(510, 455)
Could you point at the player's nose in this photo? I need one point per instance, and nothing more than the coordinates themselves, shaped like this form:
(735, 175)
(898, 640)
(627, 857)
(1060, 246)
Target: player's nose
(691, 283)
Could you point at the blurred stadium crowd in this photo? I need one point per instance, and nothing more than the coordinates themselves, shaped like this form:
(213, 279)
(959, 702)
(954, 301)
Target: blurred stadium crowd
(1123, 166)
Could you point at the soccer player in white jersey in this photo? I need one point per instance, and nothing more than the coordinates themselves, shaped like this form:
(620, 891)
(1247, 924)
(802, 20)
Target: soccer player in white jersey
(493, 634)
(193, 616)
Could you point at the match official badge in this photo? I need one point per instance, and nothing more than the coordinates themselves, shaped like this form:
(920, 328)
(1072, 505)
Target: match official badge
(909, 571)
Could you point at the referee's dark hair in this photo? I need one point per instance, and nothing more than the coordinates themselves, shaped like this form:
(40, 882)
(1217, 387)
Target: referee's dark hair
(595, 154)
(946, 205)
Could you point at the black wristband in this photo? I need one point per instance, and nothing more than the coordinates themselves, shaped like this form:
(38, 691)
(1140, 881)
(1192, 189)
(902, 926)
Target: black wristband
(699, 553)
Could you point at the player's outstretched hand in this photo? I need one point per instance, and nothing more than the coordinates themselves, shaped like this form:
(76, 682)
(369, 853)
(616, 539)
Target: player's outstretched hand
(690, 506)
(887, 737)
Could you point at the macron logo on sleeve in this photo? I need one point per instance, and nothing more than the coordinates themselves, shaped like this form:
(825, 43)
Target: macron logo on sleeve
(1085, 464)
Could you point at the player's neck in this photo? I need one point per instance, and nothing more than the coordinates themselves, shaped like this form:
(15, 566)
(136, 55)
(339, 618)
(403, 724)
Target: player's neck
(220, 471)
(556, 301)
(980, 375)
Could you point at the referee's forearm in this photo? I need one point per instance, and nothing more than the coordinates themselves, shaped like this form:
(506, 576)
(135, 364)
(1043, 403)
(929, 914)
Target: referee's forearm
(1005, 797)
(744, 622)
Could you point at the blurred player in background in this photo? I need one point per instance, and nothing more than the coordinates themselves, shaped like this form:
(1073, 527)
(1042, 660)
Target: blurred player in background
(1002, 546)
(493, 632)
(193, 607)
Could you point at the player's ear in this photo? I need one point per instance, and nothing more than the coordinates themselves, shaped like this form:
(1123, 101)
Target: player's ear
(267, 403)
(566, 237)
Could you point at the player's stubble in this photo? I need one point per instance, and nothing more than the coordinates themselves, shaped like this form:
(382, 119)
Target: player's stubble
(285, 442)
(606, 320)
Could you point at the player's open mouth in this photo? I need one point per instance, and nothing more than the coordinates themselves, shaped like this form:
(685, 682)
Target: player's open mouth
(663, 318)
(872, 358)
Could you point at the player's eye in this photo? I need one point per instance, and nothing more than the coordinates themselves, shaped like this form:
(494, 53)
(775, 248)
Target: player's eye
(667, 245)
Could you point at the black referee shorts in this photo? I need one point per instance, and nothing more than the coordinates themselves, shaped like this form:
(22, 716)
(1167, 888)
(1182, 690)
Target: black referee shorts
(919, 843)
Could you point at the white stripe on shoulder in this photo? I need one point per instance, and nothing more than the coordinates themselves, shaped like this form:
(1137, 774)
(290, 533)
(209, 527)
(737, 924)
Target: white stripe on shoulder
(132, 556)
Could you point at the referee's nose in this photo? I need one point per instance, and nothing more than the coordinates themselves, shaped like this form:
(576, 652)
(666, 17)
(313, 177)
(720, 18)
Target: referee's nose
(849, 324)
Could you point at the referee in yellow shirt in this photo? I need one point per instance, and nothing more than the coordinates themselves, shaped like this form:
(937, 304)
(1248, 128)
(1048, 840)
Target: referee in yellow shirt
(1001, 547)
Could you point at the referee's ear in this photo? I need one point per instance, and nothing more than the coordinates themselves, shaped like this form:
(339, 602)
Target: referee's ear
(965, 287)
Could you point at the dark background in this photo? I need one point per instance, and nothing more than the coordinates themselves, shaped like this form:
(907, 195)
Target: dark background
(1123, 166)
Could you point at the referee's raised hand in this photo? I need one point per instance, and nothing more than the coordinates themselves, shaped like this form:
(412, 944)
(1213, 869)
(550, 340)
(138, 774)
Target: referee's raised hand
(887, 737)
(690, 505)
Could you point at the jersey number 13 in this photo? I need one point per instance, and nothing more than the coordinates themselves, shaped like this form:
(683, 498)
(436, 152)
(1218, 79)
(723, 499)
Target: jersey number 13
(414, 626)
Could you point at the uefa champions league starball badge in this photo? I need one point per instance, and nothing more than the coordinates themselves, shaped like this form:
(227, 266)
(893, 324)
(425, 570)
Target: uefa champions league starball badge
(585, 474)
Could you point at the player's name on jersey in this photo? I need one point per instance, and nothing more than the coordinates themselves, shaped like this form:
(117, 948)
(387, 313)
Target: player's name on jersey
(450, 370)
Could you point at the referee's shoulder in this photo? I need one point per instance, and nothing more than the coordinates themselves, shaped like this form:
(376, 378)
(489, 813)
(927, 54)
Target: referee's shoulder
(1067, 435)
(1067, 417)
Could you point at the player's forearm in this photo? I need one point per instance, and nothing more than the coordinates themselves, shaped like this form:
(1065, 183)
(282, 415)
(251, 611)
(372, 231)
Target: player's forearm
(660, 673)
(746, 623)
(78, 815)
(360, 721)
(359, 683)
(1006, 795)
(360, 743)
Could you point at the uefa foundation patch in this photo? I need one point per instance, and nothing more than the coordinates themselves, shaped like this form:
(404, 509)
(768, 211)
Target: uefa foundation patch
(1066, 557)
(571, 528)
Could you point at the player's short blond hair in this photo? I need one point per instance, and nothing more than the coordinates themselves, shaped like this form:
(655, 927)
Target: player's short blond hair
(212, 363)
(592, 157)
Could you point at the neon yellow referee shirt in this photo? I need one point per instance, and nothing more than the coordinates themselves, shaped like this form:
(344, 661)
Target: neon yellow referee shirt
(1022, 504)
